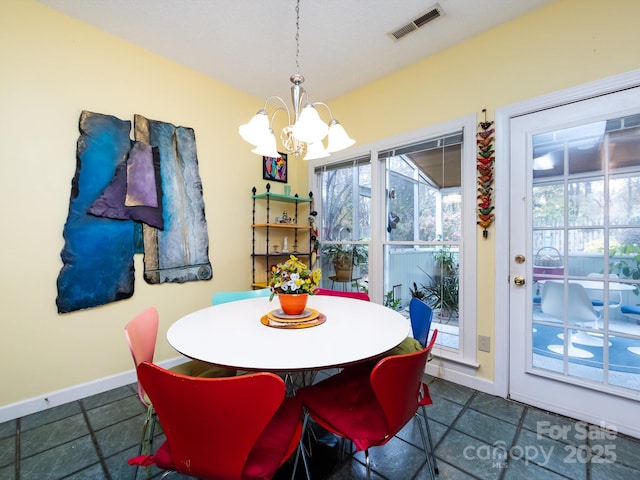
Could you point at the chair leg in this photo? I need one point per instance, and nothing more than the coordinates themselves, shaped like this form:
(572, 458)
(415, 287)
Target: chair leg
(142, 439)
(431, 452)
(146, 440)
(427, 451)
(300, 451)
(154, 420)
(367, 463)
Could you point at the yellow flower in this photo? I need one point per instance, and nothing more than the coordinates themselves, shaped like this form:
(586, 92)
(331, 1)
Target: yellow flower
(293, 276)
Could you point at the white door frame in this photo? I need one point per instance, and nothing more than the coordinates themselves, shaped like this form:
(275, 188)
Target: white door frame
(502, 192)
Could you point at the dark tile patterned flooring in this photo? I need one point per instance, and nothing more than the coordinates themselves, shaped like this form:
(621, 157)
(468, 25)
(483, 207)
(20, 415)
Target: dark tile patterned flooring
(476, 436)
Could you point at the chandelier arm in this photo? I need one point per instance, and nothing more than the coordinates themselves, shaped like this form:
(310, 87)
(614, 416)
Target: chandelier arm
(283, 107)
(279, 109)
(275, 97)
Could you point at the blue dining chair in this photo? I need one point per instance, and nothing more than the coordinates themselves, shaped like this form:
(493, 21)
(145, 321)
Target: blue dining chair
(224, 297)
(631, 311)
(421, 316)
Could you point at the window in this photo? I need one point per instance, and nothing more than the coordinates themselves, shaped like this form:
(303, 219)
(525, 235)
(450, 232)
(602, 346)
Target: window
(424, 228)
(409, 204)
(345, 224)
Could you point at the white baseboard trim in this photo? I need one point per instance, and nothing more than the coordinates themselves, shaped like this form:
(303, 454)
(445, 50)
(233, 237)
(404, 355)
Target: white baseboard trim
(84, 390)
(76, 392)
(461, 378)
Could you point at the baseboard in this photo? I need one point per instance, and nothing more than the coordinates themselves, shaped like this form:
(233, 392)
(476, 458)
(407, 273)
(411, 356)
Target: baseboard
(76, 392)
(84, 390)
(463, 378)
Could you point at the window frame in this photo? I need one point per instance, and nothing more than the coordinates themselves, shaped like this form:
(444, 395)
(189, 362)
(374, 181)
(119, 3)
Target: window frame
(463, 360)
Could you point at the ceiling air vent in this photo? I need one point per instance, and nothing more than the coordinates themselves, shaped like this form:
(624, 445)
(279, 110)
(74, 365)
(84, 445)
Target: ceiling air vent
(418, 22)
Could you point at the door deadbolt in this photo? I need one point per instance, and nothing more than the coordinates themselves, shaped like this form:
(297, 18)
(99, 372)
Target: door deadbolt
(519, 281)
(520, 258)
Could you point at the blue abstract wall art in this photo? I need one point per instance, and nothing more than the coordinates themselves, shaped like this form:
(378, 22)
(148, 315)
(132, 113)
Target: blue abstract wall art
(179, 253)
(130, 196)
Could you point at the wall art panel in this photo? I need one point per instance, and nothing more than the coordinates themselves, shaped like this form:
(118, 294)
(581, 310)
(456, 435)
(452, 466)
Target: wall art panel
(180, 252)
(131, 197)
(98, 252)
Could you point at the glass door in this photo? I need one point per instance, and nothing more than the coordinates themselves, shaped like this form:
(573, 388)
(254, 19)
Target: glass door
(575, 181)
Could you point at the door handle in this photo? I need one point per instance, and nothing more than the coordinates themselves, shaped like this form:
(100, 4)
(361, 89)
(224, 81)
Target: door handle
(519, 281)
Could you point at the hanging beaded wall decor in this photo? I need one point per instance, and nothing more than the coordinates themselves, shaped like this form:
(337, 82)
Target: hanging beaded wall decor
(485, 160)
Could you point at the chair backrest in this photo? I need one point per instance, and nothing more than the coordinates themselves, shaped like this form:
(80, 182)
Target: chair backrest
(396, 382)
(224, 297)
(340, 293)
(141, 334)
(579, 307)
(211, 424)
(421, 316)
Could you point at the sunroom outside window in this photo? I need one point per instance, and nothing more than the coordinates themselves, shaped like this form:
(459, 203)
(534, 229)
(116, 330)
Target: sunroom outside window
(345, 224)
(403, 209)
(424, 229)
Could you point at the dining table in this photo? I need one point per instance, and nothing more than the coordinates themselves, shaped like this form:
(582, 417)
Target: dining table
(595, 284)
(239, 334)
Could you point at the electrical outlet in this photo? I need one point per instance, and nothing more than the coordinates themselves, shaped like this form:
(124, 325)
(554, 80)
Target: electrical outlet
(484, 343)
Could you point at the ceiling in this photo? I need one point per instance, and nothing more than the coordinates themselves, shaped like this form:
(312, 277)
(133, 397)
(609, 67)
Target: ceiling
(250, 44)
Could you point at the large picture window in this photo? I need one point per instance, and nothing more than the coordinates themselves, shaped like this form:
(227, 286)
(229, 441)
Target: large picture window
(403, 213)
(424, 228)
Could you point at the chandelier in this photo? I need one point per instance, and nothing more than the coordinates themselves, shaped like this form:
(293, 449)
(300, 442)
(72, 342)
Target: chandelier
(304, 135)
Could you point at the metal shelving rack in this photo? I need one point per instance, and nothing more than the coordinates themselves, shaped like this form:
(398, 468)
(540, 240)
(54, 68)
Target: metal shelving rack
(261, 260)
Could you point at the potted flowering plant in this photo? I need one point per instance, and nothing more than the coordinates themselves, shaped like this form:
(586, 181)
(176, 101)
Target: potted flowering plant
(293, 279)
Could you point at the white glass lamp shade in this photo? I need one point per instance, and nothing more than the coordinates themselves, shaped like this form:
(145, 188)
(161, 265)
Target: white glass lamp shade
(267, 147)
(257, 128)
(338, 138)
(310, 128)
(315, 150)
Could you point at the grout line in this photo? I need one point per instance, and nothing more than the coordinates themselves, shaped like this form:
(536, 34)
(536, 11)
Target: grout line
(94, 440)
(460, 413)
(17, 447)
(516, 436)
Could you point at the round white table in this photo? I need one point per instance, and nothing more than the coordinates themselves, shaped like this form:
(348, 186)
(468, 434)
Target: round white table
(596, 284)
(231, 335)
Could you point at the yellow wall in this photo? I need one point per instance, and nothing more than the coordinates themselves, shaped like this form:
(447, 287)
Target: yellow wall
(54, 66)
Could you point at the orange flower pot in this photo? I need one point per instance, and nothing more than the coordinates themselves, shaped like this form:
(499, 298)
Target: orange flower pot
(293, 303)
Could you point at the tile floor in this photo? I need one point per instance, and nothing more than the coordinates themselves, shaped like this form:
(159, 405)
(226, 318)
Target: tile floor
(476, 436)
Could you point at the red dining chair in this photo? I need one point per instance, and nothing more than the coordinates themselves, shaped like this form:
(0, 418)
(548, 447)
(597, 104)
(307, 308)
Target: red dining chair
(141, 334)
(340, 293)
(222, 428)
(369, 407)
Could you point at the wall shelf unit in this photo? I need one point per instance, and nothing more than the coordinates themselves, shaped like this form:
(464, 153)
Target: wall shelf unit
(271, 230)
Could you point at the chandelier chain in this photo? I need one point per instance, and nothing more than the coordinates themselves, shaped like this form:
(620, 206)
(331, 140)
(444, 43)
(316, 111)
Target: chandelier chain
(304, 135)
(298, 37)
